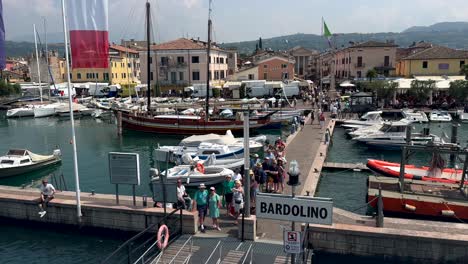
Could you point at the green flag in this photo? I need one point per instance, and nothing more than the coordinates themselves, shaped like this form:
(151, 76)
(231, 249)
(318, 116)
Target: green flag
(326, 31)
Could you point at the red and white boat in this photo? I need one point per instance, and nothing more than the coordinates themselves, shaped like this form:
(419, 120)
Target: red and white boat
(424, 173)
(186, 125)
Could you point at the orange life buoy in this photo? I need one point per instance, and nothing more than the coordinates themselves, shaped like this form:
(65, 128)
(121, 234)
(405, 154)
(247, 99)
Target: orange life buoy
(163, 234)
(200, 167)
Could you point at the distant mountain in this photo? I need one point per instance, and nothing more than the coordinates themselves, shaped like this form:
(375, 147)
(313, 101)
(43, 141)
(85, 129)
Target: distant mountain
(53, 37)
(24, 49)
(450, 34)
(440, 27)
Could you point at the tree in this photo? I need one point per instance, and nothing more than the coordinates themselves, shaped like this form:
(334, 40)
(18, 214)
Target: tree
(8, 88)
(371, 74)
(383, 90)
(260, 44)
(421, 90)
(464, 71)
(458, 90)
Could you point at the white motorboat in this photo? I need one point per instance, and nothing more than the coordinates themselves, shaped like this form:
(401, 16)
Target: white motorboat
(226, 139)
(64, 111)
(364, 130)
(440, 116)
(223, 146)
(20, 161)
(192, 177)
(20, 112)
(204, 150)
(415, 116)
(392, 135)
(231, 164)
(47, 110)
(463, 116)
(368, 119)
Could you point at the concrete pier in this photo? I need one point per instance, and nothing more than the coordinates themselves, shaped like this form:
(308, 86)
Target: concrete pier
(99, 210)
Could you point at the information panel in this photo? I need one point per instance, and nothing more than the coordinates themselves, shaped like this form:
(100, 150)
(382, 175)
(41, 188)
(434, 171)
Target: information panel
(300, 209)
(124, 168)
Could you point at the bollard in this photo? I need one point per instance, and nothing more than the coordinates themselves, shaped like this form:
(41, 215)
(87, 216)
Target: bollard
(145, 200)
(93, 192)
(380, 215)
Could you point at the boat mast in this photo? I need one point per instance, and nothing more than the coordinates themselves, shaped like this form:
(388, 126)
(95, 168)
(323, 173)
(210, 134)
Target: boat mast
(37, 61)
(47, 55)
(208, 60)
(148, 56)
(70, 102)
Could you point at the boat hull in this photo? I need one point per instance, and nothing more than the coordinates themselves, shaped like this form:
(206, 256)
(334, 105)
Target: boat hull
(185, 126)
(8, 172)
(390, 169)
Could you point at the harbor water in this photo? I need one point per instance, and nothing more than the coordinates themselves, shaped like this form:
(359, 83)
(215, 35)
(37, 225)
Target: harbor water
(21, 243)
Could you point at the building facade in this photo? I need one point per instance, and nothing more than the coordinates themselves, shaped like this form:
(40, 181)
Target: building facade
(124, 68)
(432, 61)
(355, 61)
(184, 62)
(56, 65)
(305, 66)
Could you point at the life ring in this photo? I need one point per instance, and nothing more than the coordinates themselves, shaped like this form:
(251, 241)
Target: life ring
(163, 234)
(200, 168)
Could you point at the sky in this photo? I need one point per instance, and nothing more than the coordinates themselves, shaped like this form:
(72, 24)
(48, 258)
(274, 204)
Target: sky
(240, 20)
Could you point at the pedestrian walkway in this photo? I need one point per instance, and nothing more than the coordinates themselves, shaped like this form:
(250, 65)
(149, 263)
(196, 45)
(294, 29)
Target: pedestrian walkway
(303, 148)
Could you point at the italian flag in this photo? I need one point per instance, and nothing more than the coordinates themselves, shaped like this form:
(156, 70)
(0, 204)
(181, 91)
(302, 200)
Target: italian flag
(89, 33)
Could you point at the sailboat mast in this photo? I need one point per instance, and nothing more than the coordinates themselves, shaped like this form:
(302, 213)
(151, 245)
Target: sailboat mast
(208, 61)
(148, 55)
(37, 61)
(47, 55)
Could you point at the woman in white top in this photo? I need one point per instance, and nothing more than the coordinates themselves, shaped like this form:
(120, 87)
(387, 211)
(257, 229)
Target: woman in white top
(238, 195)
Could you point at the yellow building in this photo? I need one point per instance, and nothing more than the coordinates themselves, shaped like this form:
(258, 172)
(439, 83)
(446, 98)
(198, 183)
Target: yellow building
(432, 61)
(124, 68)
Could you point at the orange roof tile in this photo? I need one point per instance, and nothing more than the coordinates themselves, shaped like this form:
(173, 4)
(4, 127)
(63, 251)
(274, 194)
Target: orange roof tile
(123, 49)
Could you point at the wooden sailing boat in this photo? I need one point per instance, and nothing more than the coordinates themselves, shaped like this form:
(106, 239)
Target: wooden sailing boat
(182, 124)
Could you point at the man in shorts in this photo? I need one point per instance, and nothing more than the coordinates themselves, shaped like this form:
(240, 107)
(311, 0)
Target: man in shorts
(47, 194)
(201, 204)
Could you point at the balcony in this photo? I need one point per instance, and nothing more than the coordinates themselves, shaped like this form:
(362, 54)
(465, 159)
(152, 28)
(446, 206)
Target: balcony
(384, 66)
(173, 65)
(359, 65)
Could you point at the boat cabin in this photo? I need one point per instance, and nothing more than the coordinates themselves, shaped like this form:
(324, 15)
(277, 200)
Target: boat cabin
(15, 157)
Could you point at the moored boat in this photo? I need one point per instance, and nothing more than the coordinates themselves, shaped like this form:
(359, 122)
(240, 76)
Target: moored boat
(20, 112)
(20, 161)
(368, 119)
(192, 177)
(412, 172)
(185, 125)
(440, 116)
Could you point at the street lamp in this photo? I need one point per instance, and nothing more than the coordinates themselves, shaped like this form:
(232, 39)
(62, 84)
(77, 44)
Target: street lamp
(294, 173)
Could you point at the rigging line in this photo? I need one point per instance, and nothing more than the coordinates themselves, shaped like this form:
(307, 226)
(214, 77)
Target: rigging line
(127, 25)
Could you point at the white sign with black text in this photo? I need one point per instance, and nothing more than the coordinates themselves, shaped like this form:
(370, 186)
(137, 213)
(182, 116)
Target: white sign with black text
(124, 168)
(292, 242)
(300, 209)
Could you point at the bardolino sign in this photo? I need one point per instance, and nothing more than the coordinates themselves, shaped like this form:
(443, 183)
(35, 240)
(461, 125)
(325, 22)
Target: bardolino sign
(301, 209)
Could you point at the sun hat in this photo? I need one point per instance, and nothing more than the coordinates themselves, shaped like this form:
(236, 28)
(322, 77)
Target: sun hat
(212, 188)
(251, 172)
(258, 165)
(255, 155)
(202, 186)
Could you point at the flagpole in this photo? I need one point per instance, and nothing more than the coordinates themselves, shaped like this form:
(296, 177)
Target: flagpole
(70, 101)
(37, 62)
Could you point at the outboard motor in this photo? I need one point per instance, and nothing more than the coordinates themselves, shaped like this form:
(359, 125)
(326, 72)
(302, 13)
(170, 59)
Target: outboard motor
(153, 173)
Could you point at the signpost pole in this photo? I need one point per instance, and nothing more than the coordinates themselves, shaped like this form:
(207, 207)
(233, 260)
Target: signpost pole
(293, 224)
(117, 193)
(134, 194)
(246, 165)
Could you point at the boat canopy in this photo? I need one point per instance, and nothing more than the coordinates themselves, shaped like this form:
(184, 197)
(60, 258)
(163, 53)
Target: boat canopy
(17, 152)
(227, 139)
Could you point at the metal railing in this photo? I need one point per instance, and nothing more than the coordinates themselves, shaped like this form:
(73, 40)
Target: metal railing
(248, 253)
(190, 239)
(142, 246)
(213, 252)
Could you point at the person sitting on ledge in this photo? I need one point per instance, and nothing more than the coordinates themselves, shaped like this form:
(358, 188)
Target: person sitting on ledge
(47, 194)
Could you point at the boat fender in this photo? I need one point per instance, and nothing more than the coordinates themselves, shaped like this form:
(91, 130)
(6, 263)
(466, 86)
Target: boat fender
(163, 237)
(153, 172)
(410, 207)
(447, 213)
